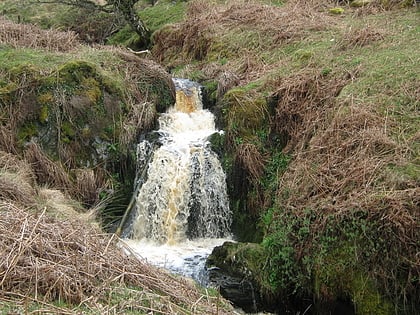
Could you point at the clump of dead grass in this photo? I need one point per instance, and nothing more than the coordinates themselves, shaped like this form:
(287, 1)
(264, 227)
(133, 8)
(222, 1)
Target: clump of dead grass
(88, 184)
(16, 180)
(360, 37)
(31, 36)
(303, 102)
(251, 160)
(377, 6)
(46, 171)
(145, 82)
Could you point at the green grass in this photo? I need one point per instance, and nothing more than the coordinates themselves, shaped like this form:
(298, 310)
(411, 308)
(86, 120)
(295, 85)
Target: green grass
(164, 12)
(10, 58)
(45, 15)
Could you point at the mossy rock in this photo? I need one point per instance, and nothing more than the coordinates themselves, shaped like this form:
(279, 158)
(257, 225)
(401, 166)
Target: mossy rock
(74, 72)
(244, 114)
(367, 298)
(237, 269)
(242, 259)
(29, 71)
(156, 84)
(217, 141)
(209, 93)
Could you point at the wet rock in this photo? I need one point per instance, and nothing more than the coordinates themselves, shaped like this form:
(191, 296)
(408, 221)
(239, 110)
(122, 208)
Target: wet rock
(233, 269)
(240, 291)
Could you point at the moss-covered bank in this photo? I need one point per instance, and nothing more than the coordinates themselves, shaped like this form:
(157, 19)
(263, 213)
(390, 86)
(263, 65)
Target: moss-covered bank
(76, 114)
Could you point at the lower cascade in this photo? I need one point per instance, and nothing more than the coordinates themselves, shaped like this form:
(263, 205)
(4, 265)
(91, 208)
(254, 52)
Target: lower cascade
(181, 208)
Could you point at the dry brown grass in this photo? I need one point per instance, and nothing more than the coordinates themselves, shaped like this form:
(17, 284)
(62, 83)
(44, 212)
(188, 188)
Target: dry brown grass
(46, 260)
(341, 153)
(139, 72)
(304, 100)
(47, 172)
(250, 159)
(30, 36)
(88, 184)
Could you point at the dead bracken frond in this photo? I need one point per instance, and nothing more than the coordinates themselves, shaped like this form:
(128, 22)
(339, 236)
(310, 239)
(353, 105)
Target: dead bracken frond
(31, 36)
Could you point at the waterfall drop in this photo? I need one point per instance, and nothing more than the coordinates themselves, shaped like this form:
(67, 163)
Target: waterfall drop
(182, 209)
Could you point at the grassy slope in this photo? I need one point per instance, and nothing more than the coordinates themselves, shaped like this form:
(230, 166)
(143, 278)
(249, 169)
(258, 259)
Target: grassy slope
(340, 130)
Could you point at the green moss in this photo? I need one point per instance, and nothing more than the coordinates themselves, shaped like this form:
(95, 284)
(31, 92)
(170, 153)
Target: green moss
(366, 298)
(245, 259)
(46, 98)
(8, 88)
(244, 114)
(67, 132)
(75, 72)
(209, 92)
(336, 10)
(27, 131)
(28, 71)
(92, 89)
(359, 3)
(338, 280)
(43, 114)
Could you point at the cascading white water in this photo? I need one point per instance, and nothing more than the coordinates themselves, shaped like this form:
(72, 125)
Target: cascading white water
(182, 208)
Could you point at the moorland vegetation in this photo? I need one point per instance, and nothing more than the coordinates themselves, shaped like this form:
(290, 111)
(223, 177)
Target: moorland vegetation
(319, 101)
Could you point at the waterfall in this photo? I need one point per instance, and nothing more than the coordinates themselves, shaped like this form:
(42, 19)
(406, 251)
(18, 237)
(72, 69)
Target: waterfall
(182, 202)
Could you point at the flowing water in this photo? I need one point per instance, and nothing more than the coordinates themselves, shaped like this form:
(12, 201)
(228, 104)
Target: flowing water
(182, 210)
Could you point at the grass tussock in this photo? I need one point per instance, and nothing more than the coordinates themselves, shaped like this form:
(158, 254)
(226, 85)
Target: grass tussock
(31, 36)
(47, 171)
(250, 159)
(360, 37)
